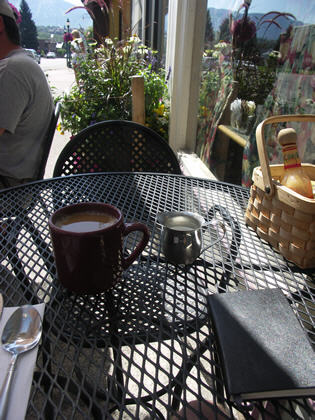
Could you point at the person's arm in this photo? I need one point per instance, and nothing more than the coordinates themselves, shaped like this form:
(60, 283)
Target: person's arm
(2, 130)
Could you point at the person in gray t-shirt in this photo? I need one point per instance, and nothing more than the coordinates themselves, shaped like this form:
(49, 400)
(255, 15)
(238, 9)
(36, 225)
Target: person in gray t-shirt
(26, 106)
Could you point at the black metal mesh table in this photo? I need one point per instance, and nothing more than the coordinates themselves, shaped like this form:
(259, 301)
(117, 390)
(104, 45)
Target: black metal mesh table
(146, 348)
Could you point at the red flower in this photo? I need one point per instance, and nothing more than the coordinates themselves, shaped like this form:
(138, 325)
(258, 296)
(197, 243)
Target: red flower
(243, 30)
(67, 37)
(307, 61)
(18, 17)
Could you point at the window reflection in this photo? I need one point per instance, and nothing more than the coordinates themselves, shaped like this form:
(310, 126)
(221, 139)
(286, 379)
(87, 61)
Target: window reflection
(258, 64)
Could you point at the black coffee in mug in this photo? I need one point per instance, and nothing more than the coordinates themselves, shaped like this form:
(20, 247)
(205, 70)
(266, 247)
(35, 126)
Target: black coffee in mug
(85, 221)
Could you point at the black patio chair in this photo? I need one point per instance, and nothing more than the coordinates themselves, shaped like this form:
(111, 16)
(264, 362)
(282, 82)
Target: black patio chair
(17, 217)
(48, 142)
(116, 146)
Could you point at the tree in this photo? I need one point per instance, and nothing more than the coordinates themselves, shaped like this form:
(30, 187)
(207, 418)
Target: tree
(28, 28)
(209, 34)
(224, 31)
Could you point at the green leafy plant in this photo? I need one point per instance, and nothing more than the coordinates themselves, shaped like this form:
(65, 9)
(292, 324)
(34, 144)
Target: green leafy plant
(156, 100)
(104, 87)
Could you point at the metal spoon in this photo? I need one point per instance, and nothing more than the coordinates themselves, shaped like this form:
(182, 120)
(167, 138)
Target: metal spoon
(21, 333)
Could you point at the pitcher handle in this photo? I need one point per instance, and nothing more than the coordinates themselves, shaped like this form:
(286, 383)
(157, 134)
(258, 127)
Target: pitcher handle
(134, 227)
(218, 223)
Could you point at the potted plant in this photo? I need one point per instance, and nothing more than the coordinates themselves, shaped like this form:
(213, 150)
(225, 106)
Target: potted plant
(103, 91)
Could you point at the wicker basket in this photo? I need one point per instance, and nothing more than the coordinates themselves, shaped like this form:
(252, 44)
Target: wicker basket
(279, 215)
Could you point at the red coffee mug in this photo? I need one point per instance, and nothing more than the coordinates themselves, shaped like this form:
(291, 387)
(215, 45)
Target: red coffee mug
(93, 262)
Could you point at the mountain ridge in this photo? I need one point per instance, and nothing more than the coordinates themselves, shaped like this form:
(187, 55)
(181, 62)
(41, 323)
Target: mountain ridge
(273, 32)
(53, 13)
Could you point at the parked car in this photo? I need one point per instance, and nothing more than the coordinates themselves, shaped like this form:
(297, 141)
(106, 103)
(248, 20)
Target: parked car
(32, 53)
(51, 54)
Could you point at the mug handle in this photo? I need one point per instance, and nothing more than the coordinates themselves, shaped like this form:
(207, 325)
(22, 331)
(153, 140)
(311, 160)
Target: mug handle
(133, 227)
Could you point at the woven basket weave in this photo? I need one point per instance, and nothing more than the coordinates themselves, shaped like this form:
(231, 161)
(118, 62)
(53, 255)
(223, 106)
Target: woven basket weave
(278, 214)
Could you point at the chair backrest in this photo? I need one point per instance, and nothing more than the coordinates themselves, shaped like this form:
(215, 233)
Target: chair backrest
(116, 146)
(48, 141)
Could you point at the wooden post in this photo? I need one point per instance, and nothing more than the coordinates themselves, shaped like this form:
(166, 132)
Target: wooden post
(138, 108)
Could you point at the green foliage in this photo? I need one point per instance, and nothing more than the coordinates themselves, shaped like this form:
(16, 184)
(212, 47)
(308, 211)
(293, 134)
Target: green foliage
(255, 82)
(211, 80)
(104, 87)
(45, 32)
(46, 35)
(224, 31)
(156, 100)
(210, 85)
(28, 28)
(61, 52)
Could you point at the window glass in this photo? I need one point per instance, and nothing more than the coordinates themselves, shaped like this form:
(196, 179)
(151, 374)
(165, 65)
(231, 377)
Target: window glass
(164, 29)
(255, 64)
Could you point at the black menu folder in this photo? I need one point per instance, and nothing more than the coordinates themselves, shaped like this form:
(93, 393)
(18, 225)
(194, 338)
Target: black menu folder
(264, 350)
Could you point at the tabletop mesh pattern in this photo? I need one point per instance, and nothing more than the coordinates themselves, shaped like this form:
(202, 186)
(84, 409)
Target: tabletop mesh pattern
(117, 146)
(146, 348)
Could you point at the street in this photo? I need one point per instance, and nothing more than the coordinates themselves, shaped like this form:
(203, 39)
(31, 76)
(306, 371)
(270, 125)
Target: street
(52, 63)
(60, 79)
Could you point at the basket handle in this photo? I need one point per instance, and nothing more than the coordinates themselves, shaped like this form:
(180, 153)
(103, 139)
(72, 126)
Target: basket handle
(261, 145)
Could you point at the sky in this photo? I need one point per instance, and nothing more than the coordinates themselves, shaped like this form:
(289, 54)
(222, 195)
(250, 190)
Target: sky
(303, 10)
(74, 2)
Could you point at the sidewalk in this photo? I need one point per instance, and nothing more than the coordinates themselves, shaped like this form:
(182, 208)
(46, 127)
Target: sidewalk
(58, 144)
(61, 81)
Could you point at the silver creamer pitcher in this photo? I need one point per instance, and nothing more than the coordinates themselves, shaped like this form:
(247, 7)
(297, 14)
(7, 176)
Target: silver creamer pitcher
(181, 236)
